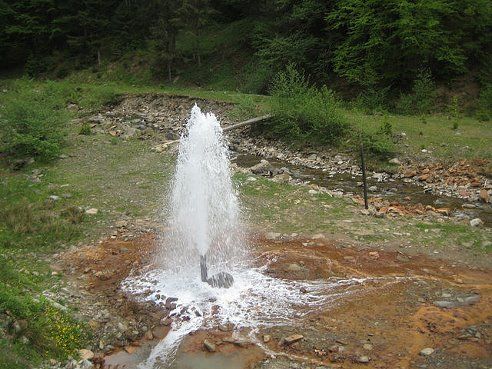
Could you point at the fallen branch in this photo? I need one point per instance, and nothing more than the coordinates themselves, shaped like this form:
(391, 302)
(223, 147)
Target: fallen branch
(162, 147)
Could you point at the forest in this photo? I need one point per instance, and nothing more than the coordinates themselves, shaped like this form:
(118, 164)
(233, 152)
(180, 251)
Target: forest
(383, 49)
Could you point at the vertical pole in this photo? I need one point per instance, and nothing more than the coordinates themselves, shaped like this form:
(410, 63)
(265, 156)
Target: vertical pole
(364, 178)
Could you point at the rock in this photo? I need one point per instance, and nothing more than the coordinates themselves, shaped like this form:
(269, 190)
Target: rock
(445, 304)
(149, 335)
(289, 340)
(86, 354)
(471, 300)
(121, 224)
(86, 364)
(54, 197)
(477, 222)
(394, 161)
(209, 346)
(367, 346)
(266, 338)
(294, 267)
(238, 342)
(427, 351)
(92, 211)
(272, 236)
(484, 195)
(262, 167)
(363, 359)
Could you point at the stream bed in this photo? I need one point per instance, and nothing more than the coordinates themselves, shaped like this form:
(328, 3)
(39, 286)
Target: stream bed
(397, 190)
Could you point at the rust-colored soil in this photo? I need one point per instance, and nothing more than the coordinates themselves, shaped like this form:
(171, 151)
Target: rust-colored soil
(389, 325)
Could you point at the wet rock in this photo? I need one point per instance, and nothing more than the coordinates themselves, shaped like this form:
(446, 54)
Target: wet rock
(477, 222)
(427, 351)
(238, 342)
(209, 346)
(86, 354)
(289, 340)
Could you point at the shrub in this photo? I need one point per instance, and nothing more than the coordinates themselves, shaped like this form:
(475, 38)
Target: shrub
(303, 112)
(85, 129)
(484, 111)
(422, 98)
(373, 101)
(33, 120)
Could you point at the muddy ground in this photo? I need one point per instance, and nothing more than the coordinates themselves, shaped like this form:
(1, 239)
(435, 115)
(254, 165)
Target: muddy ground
(433, 304)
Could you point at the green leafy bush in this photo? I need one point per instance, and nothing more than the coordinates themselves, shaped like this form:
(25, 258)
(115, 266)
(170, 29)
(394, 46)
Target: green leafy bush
(373, 100)
(484, 111)
(303, 112)
(422, 99)
(33, 120)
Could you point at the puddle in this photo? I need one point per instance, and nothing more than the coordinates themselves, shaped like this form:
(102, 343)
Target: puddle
(393, 190)
(256, 300)
(201, 360)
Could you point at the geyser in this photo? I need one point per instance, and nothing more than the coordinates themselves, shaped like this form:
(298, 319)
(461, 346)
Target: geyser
(204, 213)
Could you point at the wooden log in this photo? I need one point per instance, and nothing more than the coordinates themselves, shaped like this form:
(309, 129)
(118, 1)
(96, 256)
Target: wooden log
(245, 123)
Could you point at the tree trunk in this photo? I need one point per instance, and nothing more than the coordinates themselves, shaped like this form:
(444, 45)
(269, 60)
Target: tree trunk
(98, 57)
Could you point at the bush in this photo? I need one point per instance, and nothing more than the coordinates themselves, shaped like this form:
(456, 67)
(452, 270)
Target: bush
(33, 121)
(422, 99)
(484, 111)
(373, 101)
(303, 112)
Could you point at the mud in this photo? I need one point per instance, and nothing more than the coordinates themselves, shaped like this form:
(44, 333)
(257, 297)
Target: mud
(387, 325)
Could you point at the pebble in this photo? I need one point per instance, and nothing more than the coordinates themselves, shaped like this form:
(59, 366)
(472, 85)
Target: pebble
(427, 351)
(86, 354)
(292, 339)
(266, 338)
(363, 359)
(209, 346)
(92, 211)
(477, 222)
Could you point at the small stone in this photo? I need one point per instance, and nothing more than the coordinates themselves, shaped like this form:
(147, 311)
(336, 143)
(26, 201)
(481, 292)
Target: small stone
(149, 335)
(86, 354)
(427, 351)
(477, 222)
(92, 211)
(471, 300)
(266, 338)
(367, 346)
(445, 304)
(54, 197)
(86, 364)
(292, 339)
(394, 161)
(363, 359)
(209, 346)
(272, 236)
(484, 195)
(373, 188)
(294, 267)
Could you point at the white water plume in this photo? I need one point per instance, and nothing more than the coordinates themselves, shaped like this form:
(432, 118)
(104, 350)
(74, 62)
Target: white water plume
(204, 211)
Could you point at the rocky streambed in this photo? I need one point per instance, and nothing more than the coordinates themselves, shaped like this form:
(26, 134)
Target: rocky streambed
(429, 188)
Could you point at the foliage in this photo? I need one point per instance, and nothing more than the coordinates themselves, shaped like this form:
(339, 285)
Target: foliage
(303, 112)
(422, 98)
(484, 111)
(32, 121)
